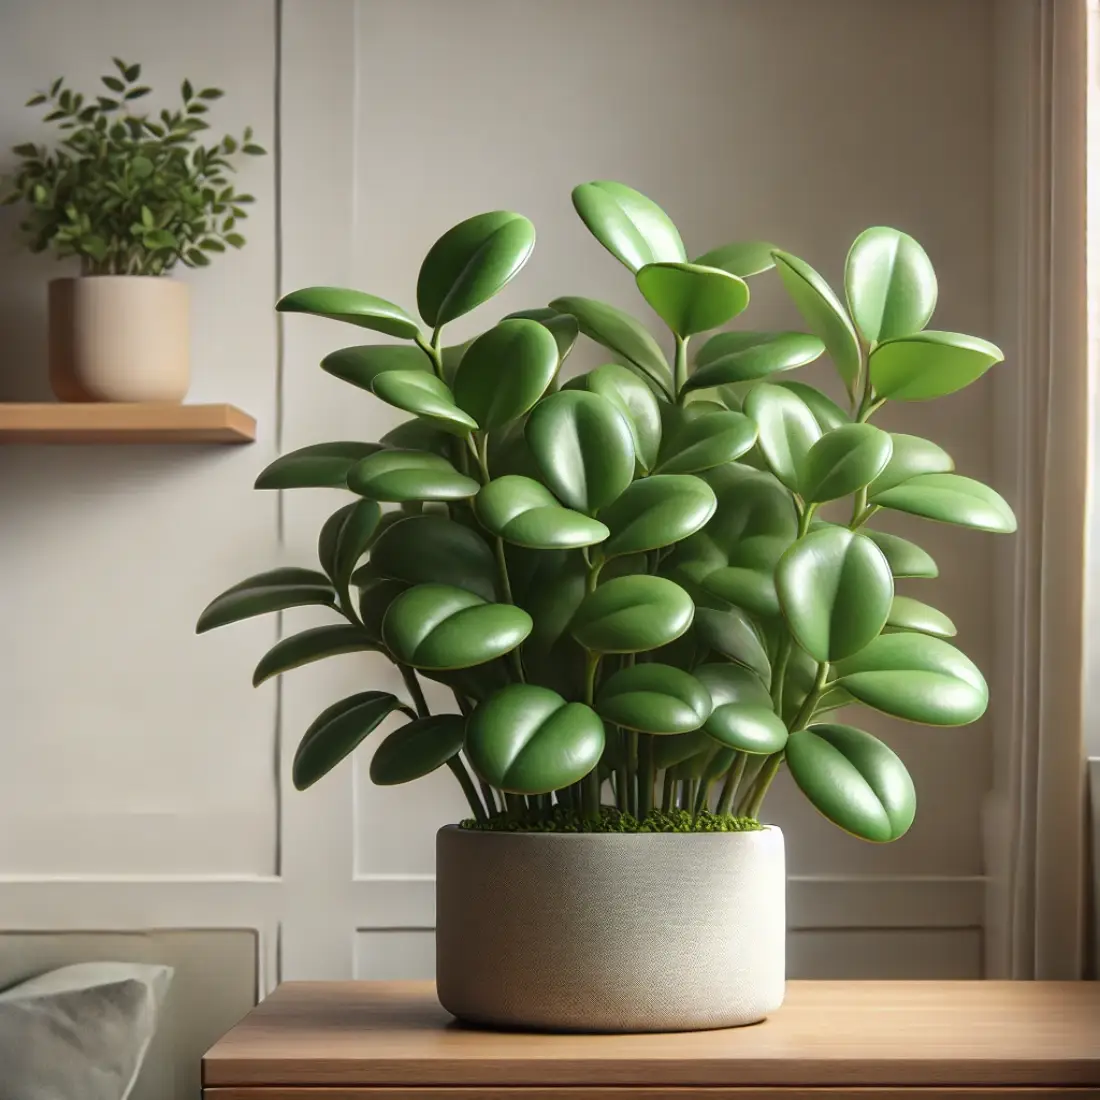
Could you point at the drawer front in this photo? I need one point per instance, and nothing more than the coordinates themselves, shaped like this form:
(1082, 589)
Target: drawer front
(628, 1093)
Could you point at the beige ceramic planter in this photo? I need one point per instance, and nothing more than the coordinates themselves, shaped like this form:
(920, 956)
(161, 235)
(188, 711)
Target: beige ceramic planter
(119, 338)
(610, 932)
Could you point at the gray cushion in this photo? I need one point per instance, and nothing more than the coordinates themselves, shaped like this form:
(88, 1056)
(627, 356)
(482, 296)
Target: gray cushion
(79, 1033)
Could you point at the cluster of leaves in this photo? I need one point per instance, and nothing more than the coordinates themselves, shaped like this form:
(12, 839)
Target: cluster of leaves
(626, 578)
(130, 193)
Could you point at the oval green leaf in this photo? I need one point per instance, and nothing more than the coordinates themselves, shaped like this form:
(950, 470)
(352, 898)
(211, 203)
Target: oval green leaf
(352, 306)
(743, 356)
(890, 284)
(690, 298)
(731, 633)
(417, 749)
(930, 364)
(425, 395)
(911, 456)
(835, 590)
(337, 731)
(319, 466)
(522, 511)
(408, 476)
(905, 558)
(632, 614)
(418, 435)
(912, 615)
(561, 326)
(726, 684)
(657, 511)
(827, 413)
(822, 311)
(344, 539)
(742, 258)
(275, 590)
(654, 698)
(505, 371)
(637, 402)
(843, 461)
(747, 728)
(786, 430)
(633, 228)
(678, 747)
(528, 740)
(470, 263)
(439, 627)
(854, 780)
(308, 646)
(622, 334)
(950, 498)
(705, 441)
(375, 596)
(583, 447)
(436, 550)
(361, 365)
(918, 678)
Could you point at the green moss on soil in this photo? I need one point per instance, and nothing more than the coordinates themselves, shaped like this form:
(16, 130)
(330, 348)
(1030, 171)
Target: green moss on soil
(612, 820)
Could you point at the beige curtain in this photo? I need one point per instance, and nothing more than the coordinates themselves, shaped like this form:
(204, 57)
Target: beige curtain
(1035, 819)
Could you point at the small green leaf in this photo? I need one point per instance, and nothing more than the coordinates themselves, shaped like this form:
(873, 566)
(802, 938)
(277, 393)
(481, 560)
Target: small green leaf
(186, 91)
(909, 457)
(633, 228)
(690, 298)
(417, 749)
(211, 93)
(522, 511)
(731, 633)
(426, 396)
(912, 615)
(747, 728)
(397, 476)
(654, 698)
(890, 284)
(854, 780)
(528, 740)
(743, 258)
(114, 83)
(638, 404)
(930, 364)
(363, 364)
(433, 549)
(310, 645)
(786, 430)
(843, 461)
(337, 732)
(352, 306)
(743, 356)
(322, 465)
(905, 558)
(561, 326)
(632, 614)
(706, 441)
(657, 511)
(274, 590)
(950, 498)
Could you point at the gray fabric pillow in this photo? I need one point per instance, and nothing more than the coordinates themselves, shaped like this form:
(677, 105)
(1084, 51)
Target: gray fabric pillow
(79, 1033)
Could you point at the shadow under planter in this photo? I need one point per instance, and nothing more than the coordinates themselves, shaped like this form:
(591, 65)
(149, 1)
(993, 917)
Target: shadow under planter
(610, 932)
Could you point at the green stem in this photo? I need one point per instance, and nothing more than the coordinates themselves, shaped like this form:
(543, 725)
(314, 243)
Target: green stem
(804, 518)
(702, 798)
(414, 689)
(805, 712)
(490, 797)
(763, 782)
(590, 784)
(668, 791)
(622, 773)
(432, 352)
(468, 788)
(859, 518)
(647, 775)
(680, 372)
(779, 673)
(687, 793)
(733, 779)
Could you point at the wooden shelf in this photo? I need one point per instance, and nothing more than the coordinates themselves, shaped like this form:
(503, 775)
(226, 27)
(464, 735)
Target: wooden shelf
(137, 423)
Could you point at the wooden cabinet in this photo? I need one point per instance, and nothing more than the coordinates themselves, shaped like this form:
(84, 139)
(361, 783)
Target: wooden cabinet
(830, 1041)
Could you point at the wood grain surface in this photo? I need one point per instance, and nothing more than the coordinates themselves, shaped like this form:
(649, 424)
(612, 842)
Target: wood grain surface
(893, 1035)
(246, 1092)
(120, 423)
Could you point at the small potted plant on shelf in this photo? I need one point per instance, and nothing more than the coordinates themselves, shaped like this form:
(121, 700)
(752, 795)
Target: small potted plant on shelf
(129, 195)
(649, 587)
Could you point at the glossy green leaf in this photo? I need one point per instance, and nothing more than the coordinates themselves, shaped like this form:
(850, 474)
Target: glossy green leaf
(437, 626)
(705, 441)
(747, 727)
(375, 596)
(678, 747)
(505, 371)
(321, 466)
(562, 326)
(310, 645)
(344, 539)
(843, 461)
(425, 395)
(822, 311)
(743, 258)
(918, 678)
(657, 511)
(950, 498)
(905, 558)
(583, 447)
(726, 683)
(747, 587)
(638, 404)
(632, 614)
(418, 435)
(743, 356)
(622, 334)
(408, 476)
(890, 284)
(337, 732)
(909, 457)
(786, 430)
(352, 306)
(525, 512)
(633, 228)
(690, 298)
(930, 364)
(654, 698)
(854, 780)
(361, 365)
(417, 749)
(731, 633)
(909, 614)
(275, 590)
(451, 359)
(528, 740)
(434, 549)
(835, 590)
(827, 413)
(470, 263)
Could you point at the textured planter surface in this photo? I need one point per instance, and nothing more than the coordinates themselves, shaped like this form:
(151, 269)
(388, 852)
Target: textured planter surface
(119, 338)
(610, 932)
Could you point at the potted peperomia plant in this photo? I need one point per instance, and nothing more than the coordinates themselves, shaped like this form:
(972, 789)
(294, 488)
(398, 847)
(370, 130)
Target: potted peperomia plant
(649, 588)
(129, 195)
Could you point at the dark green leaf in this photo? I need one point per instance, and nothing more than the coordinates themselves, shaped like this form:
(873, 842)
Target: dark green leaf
(890, 284)
(633, 228)
(114, 83)
(731, 633)
(522, 511)
(743, 356)
(705, 441)
(433, 549)
(397, 476)
(322, 465)
(352, 306)
(632, 614)
(747, 727)
(654, 698)
(310, 645)
(726, 684)
(657, 511)
(337, 732)
(636, 401)
(274, 590)
(426, 396)
(363, 364)
(417, 749)
(561, 326)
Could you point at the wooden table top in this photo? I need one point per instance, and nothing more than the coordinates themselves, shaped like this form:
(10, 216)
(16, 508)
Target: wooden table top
(935, 1033)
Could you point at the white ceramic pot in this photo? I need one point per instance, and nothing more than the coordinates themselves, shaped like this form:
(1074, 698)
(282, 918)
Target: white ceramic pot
(610, 932)
(119, 338)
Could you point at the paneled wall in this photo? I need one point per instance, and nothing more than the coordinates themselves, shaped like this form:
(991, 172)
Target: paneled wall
(145, 784)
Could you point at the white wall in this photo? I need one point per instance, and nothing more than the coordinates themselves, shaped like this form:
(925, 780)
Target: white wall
(144, 782)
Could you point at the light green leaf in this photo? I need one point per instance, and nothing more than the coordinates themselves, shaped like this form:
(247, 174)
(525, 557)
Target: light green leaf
(691, 299)
(950, 498)
(732, 357)
(905, 558)
(747, 728)
(909, 614)
(890, 284)
(827, 413)
(657, 511)
(633, 228)
(638, 404)
(561, 326)
(352, 306)
(930, 364)
(705, 441)
(743, 258)
(843, 461)
(426, 396)
(522, 511)
(398, 476)
(786, 430)
(909, 457)
(654, 698)
(363, 364)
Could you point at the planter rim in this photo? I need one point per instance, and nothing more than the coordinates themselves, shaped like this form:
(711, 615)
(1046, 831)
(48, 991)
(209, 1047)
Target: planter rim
(615, 838)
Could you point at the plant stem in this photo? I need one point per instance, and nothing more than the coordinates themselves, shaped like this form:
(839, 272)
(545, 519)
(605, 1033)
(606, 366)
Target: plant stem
(804, 518)
(779, 672)
(860, 518)
(667, 791)
(680, 372)
(622, 774)
(468, 788)
(490, 797)
(647, 775)
(733, 779)
(805, 712)
(763, 782)
(687, 793)
(702, 798)
(414, 689)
